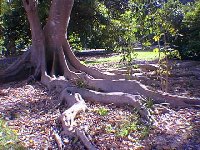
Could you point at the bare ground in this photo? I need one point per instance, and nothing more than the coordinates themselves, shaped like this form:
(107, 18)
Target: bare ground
(32, 112)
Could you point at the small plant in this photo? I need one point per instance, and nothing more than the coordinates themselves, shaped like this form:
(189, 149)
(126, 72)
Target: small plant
(8, 137)
(149, 103)
(126, 128)
(123, 132)
(109, 129)
(81, 84)
(135, 66)
(103, 111)
(145, 132)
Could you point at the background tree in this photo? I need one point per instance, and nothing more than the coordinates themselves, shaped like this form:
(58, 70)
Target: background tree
(15, 29)
(85, 28)
(188, 39)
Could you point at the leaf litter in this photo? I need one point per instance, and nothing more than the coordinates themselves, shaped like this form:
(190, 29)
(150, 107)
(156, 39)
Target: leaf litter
(32, 112)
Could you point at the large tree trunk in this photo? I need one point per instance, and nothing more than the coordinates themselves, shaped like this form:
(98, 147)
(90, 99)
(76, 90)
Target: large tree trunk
(58, 68)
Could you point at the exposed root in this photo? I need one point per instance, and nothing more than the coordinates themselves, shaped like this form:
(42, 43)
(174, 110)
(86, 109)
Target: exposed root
(18, 70)
(75, 105)
(148, 67)
(94, 72)
(136, 88)
(65, 72)
(65, 66)
(81, 135)
(116, 98)
(104, 90)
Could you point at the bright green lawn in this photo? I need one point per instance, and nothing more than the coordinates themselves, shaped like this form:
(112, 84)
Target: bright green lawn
(146, 56)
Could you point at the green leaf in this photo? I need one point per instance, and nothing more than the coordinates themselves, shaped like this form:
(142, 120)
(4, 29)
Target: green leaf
(156, 50)
(156, 38)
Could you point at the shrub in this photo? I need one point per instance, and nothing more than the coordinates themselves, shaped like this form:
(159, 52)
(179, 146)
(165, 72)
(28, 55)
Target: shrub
(188, 41)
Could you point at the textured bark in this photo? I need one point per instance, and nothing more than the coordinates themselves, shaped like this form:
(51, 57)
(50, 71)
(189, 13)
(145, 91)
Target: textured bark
(58, 68)
(21, 69)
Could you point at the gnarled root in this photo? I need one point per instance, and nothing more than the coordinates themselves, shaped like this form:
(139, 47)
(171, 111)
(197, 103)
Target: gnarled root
(134, 87)
(18, 70)
(75, 104)
(116, 98)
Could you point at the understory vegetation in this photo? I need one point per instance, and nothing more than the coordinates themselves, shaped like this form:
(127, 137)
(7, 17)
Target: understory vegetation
(8, 137)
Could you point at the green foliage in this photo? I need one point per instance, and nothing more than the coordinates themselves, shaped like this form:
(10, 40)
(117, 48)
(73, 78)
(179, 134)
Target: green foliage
(142, 22)
(81, 84)
(174, 54)
(8, 137)
(15, 26)
(75, 42)
(149, 103)
(188, 41)
(102, 111)
(125, 128)
(145, 130)
(128, 125)
(114, 25)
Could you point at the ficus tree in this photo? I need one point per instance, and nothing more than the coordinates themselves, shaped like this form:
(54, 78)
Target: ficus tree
(83, 28)
(51, 60)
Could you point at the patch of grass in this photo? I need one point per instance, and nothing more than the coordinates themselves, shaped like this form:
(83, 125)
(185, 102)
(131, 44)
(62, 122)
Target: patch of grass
(8, 138)
(109, 129)
(102, 111)
(148, 56)
(144, 56)
(116, 58)
(144, 132)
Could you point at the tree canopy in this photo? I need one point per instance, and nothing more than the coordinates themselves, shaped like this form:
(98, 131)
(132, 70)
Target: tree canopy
(103, 24)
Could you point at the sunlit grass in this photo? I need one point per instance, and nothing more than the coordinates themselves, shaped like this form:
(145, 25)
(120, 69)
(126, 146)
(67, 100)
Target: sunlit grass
(148, 56)
(115, 58)
(143, 56)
